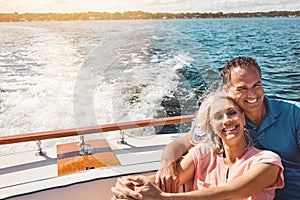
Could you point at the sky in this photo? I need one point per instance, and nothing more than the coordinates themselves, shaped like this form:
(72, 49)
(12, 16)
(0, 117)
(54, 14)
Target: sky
(153, 6)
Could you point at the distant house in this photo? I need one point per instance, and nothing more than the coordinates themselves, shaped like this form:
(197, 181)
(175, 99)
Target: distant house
(23, 19)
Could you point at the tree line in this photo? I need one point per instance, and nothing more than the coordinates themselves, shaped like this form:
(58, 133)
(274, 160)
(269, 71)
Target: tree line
(129, 15)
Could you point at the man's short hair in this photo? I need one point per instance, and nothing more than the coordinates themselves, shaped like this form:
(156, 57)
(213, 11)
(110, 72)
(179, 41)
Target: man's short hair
(243, 62)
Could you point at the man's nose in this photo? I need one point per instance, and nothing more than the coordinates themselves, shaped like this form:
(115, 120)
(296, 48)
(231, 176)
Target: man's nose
(251, 92)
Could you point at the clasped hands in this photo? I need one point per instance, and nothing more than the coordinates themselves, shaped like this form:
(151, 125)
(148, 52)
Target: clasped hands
(146, 188)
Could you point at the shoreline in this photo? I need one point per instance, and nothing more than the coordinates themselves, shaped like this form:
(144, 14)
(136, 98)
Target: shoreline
(136, 15)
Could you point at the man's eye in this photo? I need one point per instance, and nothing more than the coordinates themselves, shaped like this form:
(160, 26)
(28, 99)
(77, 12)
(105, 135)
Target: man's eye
(257, 85)
(241, 89)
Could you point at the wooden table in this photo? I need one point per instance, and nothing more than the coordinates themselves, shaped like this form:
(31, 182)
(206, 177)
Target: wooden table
(69, 161)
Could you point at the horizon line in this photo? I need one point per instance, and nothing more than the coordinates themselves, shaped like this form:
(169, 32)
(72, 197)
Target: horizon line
(148, 12)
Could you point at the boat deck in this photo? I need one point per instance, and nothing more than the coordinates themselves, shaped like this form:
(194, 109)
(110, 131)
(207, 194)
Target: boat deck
(24, 172)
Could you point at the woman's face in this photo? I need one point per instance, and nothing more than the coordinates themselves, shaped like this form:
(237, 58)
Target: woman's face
(227, 121)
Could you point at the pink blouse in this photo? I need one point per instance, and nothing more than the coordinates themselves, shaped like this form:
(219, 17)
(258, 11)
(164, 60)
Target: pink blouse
(211, 170)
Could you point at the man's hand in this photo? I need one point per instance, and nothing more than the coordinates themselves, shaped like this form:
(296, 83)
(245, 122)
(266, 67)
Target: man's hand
(125, 190)
(146, 188)
(166, 178)
(135, 188)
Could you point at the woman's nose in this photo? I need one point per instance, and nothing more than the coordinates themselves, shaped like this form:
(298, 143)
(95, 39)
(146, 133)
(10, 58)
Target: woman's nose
(226, 119)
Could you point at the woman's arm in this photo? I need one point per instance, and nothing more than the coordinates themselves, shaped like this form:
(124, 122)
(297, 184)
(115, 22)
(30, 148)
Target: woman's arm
(255, 180)
(185, 169)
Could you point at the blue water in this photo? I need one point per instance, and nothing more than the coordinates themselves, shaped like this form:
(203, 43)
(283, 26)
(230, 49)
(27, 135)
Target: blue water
(274, 42)
(56, 75)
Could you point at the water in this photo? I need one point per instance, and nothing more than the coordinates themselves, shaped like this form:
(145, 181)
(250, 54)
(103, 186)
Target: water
(56, 75)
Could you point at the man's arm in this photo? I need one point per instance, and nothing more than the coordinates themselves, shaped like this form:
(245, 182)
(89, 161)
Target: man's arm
(166, 176)
(175, 149)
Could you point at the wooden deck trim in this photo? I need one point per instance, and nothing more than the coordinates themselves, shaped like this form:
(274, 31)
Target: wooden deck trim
(93, 129)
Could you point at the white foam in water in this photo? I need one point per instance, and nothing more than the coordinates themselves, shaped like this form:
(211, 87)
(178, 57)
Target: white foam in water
(137, 92)
(67, 87)
(42, 100)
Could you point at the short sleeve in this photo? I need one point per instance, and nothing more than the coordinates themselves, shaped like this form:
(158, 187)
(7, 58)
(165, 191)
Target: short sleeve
(268, 157)
(200, 152)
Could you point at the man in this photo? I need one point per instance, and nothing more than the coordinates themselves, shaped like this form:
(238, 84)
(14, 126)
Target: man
(274, 124)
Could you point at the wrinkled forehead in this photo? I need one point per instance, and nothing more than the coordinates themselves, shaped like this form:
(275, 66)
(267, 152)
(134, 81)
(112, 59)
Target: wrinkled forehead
(244, 72)
(241, 76)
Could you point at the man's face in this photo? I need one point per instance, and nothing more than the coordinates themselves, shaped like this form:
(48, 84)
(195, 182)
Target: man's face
(246, 87)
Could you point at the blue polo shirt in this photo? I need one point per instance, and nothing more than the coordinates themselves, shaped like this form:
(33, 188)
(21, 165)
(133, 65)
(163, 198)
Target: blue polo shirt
(280, 133)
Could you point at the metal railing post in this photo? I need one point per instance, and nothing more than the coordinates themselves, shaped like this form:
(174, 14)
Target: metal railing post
(122, 138)
(40, 151)
(84, 146)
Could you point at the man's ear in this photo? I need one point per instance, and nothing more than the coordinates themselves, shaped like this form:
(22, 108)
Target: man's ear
(225, 87)
(244, 118)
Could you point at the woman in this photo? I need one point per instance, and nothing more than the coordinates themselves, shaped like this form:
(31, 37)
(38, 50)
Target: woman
(224, 165)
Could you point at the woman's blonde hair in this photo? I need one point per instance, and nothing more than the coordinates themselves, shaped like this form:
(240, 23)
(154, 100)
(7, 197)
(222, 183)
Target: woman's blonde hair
(202, 126)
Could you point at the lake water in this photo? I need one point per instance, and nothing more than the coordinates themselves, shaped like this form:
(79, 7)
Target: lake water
(56, 75)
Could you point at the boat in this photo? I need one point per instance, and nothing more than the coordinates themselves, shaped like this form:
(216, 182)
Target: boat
(47, 173)
(41, 174)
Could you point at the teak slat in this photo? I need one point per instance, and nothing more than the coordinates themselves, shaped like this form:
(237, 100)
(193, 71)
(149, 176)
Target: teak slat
(93, 129)
(69, 161)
